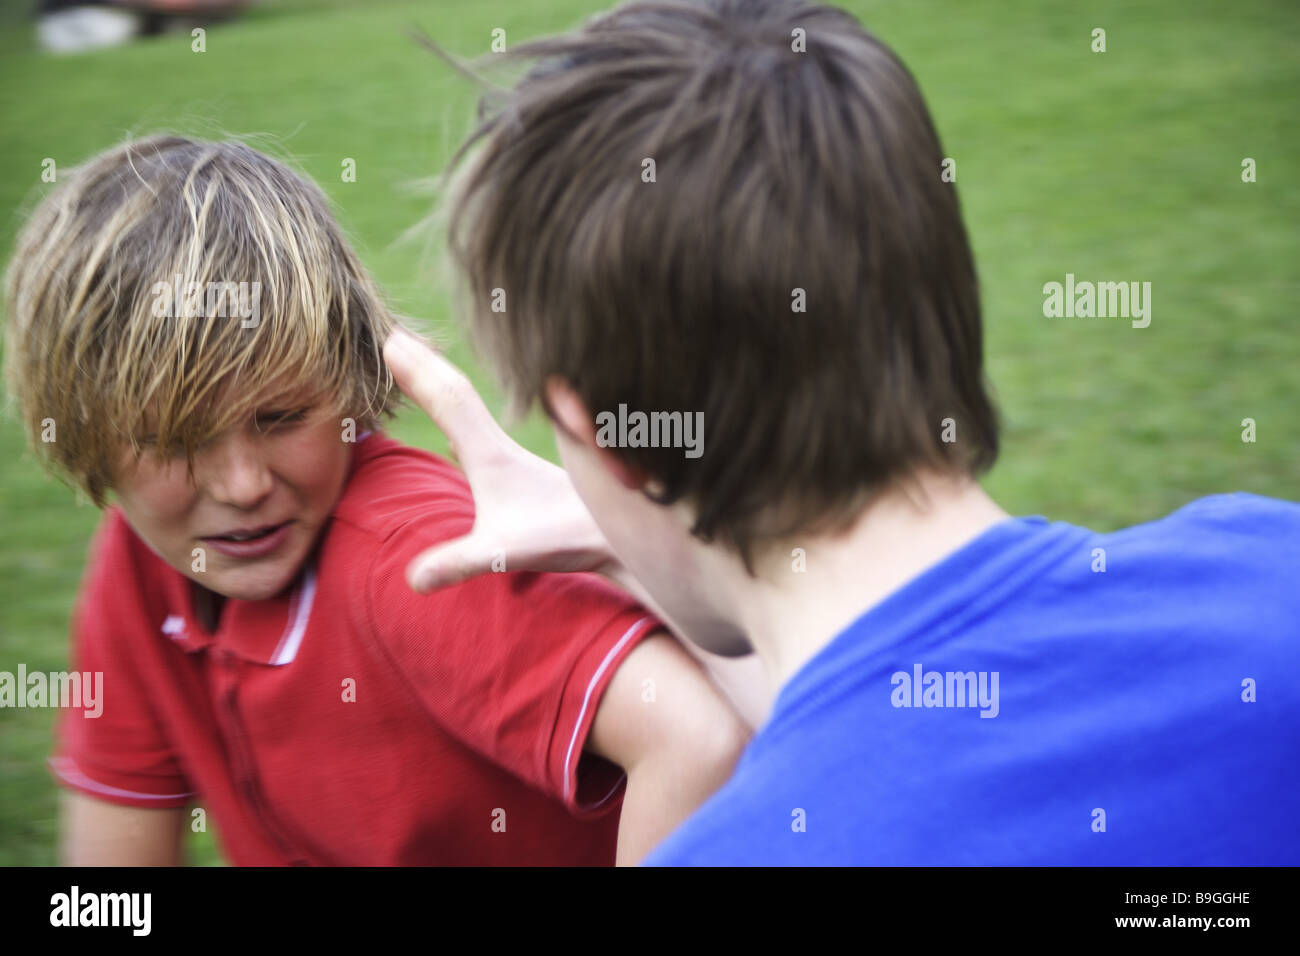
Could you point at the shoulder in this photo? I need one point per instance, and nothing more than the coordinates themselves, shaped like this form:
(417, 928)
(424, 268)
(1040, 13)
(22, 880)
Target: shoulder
(393, 487)
(1234, 535)
(1240, 514)
(119, 565)
(1221, 564)
(126, 594)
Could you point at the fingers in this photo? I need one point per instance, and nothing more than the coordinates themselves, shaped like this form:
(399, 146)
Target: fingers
(449, 563)
(444, 393)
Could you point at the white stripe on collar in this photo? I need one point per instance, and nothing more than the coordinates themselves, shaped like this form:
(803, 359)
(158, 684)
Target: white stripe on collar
(287, 649)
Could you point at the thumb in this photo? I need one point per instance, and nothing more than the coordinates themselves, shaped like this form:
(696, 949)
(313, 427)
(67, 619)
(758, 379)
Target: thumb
(451, 563)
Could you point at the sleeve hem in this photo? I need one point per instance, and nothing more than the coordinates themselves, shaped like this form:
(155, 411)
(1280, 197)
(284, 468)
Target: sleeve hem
(611, 660)
(67, 773)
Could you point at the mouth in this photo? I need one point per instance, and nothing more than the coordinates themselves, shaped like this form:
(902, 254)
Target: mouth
(249, 542)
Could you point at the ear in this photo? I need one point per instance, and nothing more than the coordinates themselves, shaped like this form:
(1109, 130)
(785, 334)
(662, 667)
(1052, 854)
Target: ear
(570, 416)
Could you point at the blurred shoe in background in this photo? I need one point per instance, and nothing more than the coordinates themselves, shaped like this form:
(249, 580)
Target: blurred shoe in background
(74, 26)
(67, 27)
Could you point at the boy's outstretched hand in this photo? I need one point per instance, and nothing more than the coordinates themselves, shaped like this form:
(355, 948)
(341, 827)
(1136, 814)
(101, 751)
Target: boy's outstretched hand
(527, 513)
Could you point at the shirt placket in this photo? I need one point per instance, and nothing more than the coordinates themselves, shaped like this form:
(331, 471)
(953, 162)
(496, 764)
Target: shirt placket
(243, 764)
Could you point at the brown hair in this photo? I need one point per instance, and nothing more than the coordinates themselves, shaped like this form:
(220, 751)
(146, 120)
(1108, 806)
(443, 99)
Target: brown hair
(90, 346)
(775, 171)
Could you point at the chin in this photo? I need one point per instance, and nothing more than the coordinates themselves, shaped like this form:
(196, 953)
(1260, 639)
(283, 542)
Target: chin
(251, 584)
(733, 645)
(711, 633)
(728, 643)
(254, 580)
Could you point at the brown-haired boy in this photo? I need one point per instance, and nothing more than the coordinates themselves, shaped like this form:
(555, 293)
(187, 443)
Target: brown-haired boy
(191, 321)
(736, 210)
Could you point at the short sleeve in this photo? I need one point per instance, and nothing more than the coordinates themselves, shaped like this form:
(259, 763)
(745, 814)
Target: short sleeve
(115, 750)
(512, 664)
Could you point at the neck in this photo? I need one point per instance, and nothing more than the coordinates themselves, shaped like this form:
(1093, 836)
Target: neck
(790, 614)
(207, 607)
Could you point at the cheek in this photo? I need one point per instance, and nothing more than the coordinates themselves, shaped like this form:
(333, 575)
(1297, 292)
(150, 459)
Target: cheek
(580, 464)
(613, 507)
(158, 502)
(157, 493)
(316, 462)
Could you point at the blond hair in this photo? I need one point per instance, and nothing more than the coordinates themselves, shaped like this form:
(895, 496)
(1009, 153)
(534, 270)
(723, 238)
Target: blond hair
(98, 343)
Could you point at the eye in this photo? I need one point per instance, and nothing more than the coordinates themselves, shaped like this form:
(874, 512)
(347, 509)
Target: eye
(150, 444)
(280, 419)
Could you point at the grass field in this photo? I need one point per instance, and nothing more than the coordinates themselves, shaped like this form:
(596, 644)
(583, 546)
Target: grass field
(1123, 165)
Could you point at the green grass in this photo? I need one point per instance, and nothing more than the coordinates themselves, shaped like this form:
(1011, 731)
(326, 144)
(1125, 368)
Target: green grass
(1122, 165)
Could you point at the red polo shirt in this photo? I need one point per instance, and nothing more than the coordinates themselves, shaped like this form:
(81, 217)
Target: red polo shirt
(349, 720)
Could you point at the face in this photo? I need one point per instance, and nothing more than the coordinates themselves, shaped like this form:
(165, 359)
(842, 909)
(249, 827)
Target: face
(652, 541)
(260, 494)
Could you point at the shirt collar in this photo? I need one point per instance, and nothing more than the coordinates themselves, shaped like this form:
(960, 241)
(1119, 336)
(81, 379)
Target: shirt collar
(268, 632)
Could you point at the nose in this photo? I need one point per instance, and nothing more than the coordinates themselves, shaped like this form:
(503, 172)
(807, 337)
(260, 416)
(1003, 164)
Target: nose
(234, 470)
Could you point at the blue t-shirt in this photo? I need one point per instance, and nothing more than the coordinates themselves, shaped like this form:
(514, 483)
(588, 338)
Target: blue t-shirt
(1016, 704)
